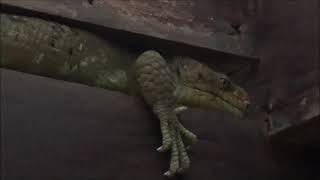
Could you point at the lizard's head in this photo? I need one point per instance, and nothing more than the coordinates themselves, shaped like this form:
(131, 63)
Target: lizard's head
(209, 89)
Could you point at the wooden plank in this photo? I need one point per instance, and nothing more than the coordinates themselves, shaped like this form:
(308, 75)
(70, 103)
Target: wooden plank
(53, 129)
(197, 23)
(299, 122)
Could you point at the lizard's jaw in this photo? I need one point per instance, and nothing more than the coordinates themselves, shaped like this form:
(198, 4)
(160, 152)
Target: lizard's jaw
(207, 100)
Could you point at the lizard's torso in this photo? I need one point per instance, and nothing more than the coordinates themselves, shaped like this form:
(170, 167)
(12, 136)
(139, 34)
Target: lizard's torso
(51, 49)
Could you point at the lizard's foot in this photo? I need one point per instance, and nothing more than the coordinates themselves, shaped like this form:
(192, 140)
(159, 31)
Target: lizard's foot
(179, 158)
(172, 133)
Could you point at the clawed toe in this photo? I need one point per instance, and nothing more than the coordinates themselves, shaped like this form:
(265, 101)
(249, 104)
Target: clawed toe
(168, 174)
(166, 144)
(162, 149)
(180, 109)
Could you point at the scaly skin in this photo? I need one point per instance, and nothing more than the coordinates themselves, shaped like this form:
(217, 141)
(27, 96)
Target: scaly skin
(168, 86)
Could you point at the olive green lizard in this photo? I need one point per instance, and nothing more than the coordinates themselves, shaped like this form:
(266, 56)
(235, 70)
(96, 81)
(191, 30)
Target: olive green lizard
(168, 86)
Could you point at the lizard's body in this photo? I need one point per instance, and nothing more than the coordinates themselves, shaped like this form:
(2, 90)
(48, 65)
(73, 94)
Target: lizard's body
(51, 49)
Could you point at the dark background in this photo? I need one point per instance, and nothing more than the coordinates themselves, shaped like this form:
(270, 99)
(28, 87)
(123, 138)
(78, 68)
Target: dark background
(56, 130)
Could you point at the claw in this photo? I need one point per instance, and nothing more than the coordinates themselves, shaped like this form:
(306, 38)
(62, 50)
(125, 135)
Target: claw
(194, 139)
(164, 148)
(180, 109)
(160, 149)
(168, 174)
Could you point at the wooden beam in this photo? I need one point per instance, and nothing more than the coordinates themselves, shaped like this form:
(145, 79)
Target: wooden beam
(180, 22)
(299, 122)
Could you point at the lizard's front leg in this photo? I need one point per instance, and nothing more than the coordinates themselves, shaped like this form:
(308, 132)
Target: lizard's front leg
(157, 84)
(157, 87)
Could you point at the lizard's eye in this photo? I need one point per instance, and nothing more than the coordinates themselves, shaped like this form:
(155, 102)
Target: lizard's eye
(225, 83)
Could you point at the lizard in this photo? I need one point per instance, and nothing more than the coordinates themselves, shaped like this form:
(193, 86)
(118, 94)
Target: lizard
(168, 85)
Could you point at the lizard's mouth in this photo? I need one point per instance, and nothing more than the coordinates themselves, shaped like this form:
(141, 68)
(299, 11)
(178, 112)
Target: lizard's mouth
(226, 102)
(227, 105)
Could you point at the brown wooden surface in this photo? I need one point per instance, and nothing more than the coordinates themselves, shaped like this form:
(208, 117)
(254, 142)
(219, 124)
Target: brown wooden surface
(289, 69)
(204, 23)
(56, 130)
